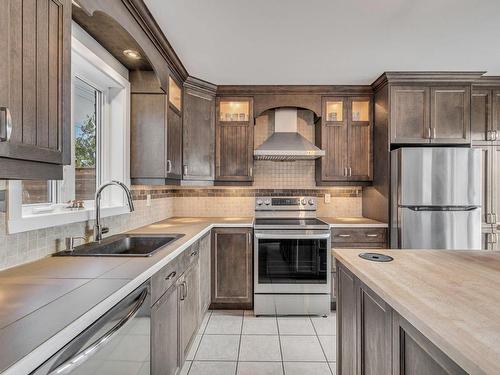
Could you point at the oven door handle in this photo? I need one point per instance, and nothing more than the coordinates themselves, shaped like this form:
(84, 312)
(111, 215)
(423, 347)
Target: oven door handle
(317, 236)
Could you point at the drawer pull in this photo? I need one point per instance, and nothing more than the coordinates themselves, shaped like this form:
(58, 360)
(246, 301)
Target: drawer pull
(194, 253)
(171, 275)
(371, 235)
(343, 235)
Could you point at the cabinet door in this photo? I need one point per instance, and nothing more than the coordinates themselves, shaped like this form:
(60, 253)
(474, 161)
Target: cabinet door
(346, 322)
(189, 307)
(450, 114)
(409, 117)
(374, 319)
(334, 139)
(360, 139)
(232, 266)
(165, 346)
(205, 275)
(199, 136)
(174, 143)
(234, 140)
(481, 115)
(147, 136)
(495, 121)
(495, 185)
(35, 90)
(414, 354)
(486, 183)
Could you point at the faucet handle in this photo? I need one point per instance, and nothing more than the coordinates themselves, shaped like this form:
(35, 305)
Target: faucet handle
(70, 241)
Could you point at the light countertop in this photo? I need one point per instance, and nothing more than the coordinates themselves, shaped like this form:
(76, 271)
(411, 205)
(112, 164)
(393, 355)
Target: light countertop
(48, 302)
(451, 297)
(353, 222)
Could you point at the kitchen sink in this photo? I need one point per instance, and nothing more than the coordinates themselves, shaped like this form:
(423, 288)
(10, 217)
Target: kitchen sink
(123, 245)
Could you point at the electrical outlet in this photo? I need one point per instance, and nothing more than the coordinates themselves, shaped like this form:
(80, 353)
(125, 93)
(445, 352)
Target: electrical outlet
(328, 198)
(148, 200)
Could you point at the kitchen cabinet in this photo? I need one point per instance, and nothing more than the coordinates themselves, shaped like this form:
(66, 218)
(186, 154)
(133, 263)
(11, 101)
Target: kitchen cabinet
(198, 131)
(374, 318)
(189, 300)
(234, 141)
(359, 237)
(485, 116)
(232, 268)
(372, 338)
(35, 90)
(421, 114)
(156, 132)
(345, 134)
(165, 335)
(414, 354)
(346, 322)
(205, 274)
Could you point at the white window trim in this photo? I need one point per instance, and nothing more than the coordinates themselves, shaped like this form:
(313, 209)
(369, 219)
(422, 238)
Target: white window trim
(117, 113)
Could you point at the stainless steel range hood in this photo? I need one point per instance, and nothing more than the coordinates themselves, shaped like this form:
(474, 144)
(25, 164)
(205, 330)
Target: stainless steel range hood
(286, 143)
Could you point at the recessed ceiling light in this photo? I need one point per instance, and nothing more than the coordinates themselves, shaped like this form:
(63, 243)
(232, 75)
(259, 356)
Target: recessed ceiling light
(132, 54)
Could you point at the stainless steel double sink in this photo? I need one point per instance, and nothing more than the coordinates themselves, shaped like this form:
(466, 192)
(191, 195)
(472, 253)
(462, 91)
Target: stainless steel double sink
(124, 245)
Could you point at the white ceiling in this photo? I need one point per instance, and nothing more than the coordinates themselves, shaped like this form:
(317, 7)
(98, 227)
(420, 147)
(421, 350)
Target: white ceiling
(328, 41)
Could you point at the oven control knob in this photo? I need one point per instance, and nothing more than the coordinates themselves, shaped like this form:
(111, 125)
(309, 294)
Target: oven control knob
(311, 202)
(267, 202)
(303, 201)
(259, 202)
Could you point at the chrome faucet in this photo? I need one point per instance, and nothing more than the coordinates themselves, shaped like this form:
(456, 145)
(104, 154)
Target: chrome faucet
(98, 229)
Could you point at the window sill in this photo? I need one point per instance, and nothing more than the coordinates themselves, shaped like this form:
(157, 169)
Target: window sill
(52, 219)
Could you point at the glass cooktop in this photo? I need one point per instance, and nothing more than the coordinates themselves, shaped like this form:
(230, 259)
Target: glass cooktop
(264, 223)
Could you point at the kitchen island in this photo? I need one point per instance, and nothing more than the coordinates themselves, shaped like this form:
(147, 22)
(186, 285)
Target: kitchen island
(424, 312)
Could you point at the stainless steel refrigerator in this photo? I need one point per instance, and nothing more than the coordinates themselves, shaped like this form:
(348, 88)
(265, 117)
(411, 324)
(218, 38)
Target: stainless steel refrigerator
(436, 198)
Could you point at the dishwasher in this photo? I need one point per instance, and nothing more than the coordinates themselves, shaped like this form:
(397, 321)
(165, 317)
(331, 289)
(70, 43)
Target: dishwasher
(117, 343)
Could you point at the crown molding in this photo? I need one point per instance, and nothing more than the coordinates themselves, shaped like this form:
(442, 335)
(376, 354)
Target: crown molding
(428, 77)
(243, 90)
(200, 86)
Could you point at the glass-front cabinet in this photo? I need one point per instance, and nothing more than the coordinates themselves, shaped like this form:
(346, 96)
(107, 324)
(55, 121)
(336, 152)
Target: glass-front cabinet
(234, 141)
(345, 135)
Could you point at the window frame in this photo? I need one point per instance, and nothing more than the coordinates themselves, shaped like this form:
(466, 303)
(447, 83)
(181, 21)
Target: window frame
(113, 143)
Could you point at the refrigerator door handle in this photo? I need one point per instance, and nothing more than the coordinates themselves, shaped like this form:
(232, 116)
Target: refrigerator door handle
(441, 208)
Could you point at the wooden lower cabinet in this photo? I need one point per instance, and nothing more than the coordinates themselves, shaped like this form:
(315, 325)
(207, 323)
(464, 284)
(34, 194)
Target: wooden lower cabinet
(232, 283)
(414, 354)
(372, 338)
(165, 336)
(205, 274)
(189, 301)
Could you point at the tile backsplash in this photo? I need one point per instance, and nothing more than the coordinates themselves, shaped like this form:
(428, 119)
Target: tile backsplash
(270, 178)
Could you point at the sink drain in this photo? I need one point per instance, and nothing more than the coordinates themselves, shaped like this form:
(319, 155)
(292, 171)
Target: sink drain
(376, 257)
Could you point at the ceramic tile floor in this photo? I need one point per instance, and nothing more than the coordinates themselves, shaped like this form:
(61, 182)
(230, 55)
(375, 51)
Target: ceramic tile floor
(238, 343)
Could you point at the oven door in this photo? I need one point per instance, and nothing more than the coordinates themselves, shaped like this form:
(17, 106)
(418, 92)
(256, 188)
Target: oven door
(292, 262)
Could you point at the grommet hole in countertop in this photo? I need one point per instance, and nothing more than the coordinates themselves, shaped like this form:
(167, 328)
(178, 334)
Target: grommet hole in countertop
(376, 257)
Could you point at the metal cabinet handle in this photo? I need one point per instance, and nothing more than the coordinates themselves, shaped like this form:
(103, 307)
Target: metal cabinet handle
(371, 235)
(5, 124)
(194, 253)
(182, 294)
(171, 275)
(345, 171)
(343, 235)
(185, 290)
(169, 166)
(185, 169)
(433, 133)
(429, 135)
(350, 171)
(250, 172)
(489, 135)
(82, 356)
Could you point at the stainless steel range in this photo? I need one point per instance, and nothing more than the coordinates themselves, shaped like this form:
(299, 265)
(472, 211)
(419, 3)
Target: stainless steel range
(292, 257)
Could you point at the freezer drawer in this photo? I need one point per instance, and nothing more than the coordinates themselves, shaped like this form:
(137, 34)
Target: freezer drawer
(458, 230)
(445, 176)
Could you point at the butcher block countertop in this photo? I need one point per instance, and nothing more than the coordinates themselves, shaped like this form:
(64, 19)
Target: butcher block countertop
(451, 297)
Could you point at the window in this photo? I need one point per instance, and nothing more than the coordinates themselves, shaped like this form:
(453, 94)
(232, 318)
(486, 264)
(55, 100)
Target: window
(100, 152)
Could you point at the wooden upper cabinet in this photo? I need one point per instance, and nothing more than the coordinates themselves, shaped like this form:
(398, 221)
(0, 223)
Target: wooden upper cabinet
(199, 135)
(481, 115)
(360, 139)
(155, 132)
(450, 114)
(333, 139)
(35, 91)
(345, 134)
(409, 114)
(234, 140)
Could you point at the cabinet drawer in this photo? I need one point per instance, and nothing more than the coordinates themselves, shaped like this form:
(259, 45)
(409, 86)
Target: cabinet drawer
(358, 235)
(167, 276)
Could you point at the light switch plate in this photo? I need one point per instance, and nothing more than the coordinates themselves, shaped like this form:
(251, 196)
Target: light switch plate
(328, 198)
(148, 200)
